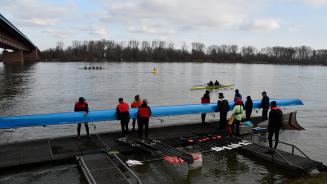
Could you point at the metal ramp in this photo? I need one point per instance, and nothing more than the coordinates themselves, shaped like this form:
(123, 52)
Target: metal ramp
(290, 160)
(99, 168)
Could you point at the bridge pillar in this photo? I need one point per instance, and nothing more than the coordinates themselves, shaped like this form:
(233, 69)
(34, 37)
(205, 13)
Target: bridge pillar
(13, 57)
(31, 56)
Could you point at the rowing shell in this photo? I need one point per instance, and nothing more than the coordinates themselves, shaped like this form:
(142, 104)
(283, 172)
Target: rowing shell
(212, 87)
(110, 115)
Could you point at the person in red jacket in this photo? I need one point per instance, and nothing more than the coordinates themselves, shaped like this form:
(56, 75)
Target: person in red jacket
(82, 106)
(123, 115)
(205, 100)
(136, 104)
(143, 117)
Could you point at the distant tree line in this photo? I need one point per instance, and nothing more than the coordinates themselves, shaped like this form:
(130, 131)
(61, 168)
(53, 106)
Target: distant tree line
(106, 50)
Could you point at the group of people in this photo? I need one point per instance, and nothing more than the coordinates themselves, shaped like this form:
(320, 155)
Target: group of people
(213, 84)
(275, 114)
(143, 115)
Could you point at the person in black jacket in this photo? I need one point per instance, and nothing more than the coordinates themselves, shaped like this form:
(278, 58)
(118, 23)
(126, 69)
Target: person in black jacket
(223, 108)
(264, 105)
(275, 123)
(248, 108)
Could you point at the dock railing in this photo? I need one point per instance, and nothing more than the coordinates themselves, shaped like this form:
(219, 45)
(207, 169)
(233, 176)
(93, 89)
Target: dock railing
(293, 147)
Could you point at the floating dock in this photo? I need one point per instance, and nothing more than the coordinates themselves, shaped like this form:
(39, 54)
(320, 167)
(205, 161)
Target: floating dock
(32, 153)
(98, 168)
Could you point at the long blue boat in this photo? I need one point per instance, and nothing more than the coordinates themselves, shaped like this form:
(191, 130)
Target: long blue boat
(110, 115)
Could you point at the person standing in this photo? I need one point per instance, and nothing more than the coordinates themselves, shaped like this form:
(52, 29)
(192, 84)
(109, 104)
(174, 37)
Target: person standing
(274, 125)
(248, 108)
(223, 108)
(136, 104)
(143, 117)
(237, 114)
(264, 105)
(82, 106)
(237, 95)
(123, 116)
(205, 100)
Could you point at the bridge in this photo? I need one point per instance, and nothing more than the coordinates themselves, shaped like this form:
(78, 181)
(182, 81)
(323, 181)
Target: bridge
(11, 38)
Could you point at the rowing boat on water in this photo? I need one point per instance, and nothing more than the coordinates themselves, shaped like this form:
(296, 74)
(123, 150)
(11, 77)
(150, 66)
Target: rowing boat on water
(223, 86)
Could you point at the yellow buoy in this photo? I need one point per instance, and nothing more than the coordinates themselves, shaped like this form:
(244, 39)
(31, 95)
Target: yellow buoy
(154, 70)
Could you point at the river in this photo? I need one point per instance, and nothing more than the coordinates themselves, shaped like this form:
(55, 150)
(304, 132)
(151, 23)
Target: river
(54, 87)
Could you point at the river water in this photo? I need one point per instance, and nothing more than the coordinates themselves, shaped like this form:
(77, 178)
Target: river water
(54, 87)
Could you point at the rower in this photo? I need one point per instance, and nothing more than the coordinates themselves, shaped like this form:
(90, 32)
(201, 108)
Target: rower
(210, 83)
(216, 83)
(123, 116)
(136, 104)
(82, 106)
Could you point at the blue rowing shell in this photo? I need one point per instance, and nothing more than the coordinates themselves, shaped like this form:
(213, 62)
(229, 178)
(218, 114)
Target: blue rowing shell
(110, 115)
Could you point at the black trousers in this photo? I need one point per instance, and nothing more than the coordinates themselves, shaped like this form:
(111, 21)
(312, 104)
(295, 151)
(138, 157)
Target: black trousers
(236, 127)
(203, 117)
(248, 115)
(143, 123)
(86, 128)
(270, 135)
(124, 126)
(133, 123)
(223, 120)
(264, 114)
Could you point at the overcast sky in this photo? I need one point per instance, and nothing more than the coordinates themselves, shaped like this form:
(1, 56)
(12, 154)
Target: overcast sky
(243, 22)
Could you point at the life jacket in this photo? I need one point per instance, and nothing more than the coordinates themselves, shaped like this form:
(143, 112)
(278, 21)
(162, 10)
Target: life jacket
(275, 108)
(144, 112)
(122, 107)
(80, 106)
(205, 100)
(136, 104)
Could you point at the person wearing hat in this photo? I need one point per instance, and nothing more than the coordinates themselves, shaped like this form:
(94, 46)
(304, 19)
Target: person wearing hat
(82, 106)
(123, 115)
(205, 100)
(223, 108)
(264, 105)
(238, 115)
(274, 125)
(143, 116)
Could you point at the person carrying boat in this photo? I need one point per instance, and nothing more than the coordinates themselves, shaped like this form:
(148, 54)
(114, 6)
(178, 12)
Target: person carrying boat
(136, 104)
(223, 108)
(143, 117)
(216, 83)
(205, 100)
(210, 83)
(82, 106)
(274, 125)
(237, 95)
(123, 116)
(248, 108)
(264, 105)
(237, 114)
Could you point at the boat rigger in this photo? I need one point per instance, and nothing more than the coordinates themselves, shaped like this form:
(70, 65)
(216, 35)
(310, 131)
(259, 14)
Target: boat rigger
(110, 115)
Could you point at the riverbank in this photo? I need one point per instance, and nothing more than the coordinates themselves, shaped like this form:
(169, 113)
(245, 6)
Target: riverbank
(304, 63)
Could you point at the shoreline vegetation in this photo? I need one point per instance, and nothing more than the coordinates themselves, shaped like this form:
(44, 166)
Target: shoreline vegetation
(162, 51)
